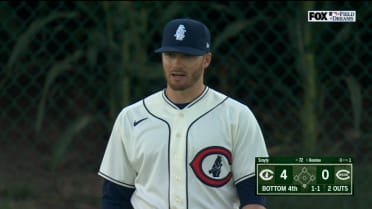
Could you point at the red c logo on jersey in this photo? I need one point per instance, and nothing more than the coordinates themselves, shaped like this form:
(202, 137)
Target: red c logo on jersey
(212, 166)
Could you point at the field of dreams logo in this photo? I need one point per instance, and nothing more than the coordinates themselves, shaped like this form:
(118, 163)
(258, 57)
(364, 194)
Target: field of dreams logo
(331, 16)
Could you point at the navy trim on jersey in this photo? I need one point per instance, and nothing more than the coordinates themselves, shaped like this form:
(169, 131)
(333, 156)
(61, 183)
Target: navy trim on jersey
(116, 181)
(169, 135)
(115, 196)
(197, 99)
(245, 177)
(168, 101)
(247, 193)
(181, 106)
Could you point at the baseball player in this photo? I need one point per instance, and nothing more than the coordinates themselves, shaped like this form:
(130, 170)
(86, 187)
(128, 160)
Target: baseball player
(187, 146)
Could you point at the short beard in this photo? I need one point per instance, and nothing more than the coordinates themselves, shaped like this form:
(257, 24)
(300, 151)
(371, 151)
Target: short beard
(195, 77)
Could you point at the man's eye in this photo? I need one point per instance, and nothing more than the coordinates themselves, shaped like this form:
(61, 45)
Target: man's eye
(170, 54)
(188, 56)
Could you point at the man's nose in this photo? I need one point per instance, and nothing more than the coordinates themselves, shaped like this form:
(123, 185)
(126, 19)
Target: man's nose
(178, 60)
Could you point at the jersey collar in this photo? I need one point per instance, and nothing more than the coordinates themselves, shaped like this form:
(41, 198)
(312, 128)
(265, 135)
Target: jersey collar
(166, 99)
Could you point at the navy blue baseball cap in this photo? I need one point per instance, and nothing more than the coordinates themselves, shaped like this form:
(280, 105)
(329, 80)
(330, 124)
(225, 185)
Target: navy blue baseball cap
(187, 36)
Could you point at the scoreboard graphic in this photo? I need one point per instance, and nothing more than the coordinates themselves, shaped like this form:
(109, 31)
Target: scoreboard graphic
(304, 175)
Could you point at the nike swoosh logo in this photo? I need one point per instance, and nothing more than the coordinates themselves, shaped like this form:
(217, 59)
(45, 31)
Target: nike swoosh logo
(135, 123)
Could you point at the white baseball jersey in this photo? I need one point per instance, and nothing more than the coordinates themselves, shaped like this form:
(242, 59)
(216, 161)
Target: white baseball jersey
(188, 158)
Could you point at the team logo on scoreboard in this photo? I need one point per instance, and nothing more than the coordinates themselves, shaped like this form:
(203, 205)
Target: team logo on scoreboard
(266, 174)
(343, 174)
(212, 166)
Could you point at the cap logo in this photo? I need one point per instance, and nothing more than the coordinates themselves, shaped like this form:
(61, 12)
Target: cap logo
(180, 33)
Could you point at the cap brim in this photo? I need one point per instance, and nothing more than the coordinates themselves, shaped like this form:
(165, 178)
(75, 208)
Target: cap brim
(183, 50)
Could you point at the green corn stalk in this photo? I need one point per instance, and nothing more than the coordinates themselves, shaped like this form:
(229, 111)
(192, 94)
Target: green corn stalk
(25, 39)
(133, 26)
(66, 138)
(57, 69)
(309, 117)
(356, 104)
(131, 51)
(302, 36)
(22, 45)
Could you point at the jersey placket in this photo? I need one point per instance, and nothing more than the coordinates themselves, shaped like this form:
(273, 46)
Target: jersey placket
(178, 161)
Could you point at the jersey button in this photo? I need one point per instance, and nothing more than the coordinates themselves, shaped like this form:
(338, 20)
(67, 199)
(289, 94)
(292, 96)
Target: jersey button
(181, 115)
(178, 135)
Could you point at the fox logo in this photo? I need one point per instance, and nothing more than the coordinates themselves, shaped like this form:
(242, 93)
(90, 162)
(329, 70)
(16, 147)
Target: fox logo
(180, 33)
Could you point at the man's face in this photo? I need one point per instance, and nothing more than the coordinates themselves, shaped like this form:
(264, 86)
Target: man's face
(183, 71)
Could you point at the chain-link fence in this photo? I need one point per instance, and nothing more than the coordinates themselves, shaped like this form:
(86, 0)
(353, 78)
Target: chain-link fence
(67, 68)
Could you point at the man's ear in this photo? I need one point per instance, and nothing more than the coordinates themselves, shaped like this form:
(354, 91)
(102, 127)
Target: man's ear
(207, 60)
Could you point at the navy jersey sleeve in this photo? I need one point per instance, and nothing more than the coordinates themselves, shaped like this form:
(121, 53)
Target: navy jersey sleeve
(115, 196)
(247, 193)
